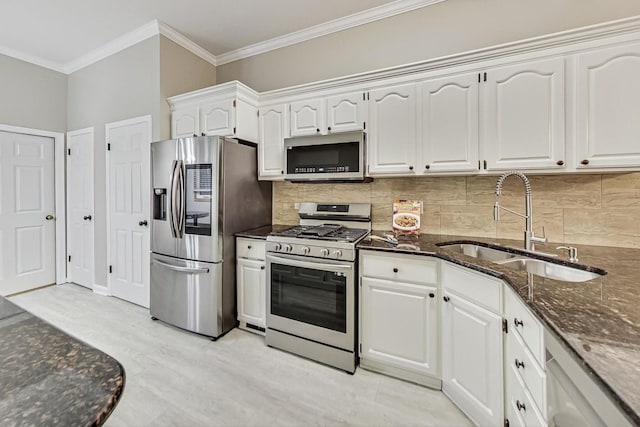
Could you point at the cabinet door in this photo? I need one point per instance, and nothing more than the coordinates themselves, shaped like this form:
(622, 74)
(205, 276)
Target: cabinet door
(251, 287)
(522, 116)
(400, 325)
(271, 146)
(608, 107)
(185, 122)
(307, 117)
(218, 118)
(346, 112)
(472, 359)
(393, 132)
(450, 124)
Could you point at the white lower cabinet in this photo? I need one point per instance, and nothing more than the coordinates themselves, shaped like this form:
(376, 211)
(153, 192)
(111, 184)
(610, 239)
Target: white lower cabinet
(399, 318)
(251, 283)
(472, 343)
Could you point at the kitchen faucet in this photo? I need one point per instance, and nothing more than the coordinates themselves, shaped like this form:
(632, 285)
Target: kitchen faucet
(529, 238)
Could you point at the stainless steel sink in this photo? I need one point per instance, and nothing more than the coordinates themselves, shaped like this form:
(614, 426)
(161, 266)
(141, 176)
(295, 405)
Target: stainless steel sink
(539, 267)
(549, 269)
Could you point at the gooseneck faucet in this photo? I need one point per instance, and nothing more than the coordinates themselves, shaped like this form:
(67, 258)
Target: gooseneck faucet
(529, 238)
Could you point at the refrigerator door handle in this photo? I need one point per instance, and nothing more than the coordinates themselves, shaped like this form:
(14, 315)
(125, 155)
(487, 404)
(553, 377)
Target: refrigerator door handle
(173, 214)
(182, 269)
(181, 200)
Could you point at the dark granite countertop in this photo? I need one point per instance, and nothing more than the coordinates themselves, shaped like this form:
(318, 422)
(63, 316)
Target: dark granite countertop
(597, 320)
(50, 378)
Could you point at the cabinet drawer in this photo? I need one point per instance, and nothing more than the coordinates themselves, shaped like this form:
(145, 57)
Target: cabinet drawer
(522, 322)
(474, 286)
(530, 372)
(250, 248)
(402, 268)
(520, 410)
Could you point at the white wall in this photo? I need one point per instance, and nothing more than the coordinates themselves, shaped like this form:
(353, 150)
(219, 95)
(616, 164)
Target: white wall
(453, 26)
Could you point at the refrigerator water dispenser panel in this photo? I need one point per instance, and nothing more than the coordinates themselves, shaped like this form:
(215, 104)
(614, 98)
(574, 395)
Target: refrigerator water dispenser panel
(160, 204)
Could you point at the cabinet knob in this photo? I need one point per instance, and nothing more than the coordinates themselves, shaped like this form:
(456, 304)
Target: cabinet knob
(203, 134)
(395, 269)
(317, 130)
(143, 223)
(329, 129)
(262, 267)
(410, 168)
(282, 172)
(195, 135)
(87, 218)
(585, 162)
(446, 298)
(560, 163)
(520, 406)
(432, 295)
(427, 166)
(517, 322)
(248, 246)
(519, 364)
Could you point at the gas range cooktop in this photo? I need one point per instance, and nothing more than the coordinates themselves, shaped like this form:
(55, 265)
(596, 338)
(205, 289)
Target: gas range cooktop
(326, 232)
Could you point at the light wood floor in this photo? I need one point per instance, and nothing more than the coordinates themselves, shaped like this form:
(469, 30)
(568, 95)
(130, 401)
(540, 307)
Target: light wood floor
(175, 378)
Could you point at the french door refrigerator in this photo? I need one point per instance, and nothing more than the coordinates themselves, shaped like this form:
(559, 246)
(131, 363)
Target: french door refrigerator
(205, 189)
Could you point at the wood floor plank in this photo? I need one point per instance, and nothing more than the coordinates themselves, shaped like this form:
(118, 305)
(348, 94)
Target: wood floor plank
(176, 378)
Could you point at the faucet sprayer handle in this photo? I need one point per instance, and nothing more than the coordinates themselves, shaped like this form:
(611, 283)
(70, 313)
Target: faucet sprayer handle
(540, 240)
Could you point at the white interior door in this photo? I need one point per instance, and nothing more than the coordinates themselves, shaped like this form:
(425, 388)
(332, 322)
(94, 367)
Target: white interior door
(129, 191)
(80, 229)
(27, 208)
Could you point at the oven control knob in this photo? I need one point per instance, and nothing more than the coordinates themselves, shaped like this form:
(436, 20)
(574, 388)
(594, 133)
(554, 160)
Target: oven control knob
(306, 250)
(277, 247)
(286, 248)
(324, 252)
(337, 253)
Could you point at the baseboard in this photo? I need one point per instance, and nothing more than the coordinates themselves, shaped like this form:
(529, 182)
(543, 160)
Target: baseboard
(101, 290)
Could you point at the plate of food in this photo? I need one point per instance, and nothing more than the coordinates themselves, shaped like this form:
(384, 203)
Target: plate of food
(406, 221)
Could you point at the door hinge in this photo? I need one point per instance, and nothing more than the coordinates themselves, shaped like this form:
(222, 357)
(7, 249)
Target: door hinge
(505, 327)
(364, 96)
(108, 146)
(368, 96)
(485, 77)
(234, 130)
(485, 164)
(69, 151)
(234, 103)
(506, 422)
(479, 77)
(360, 348)
(110, 269)
(479, 165)
(69, 258)
(364, 125)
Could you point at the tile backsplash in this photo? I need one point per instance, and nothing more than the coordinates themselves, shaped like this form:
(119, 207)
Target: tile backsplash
(590, 209)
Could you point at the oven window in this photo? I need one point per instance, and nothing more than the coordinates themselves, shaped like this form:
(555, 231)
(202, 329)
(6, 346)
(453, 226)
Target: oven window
(315, 297)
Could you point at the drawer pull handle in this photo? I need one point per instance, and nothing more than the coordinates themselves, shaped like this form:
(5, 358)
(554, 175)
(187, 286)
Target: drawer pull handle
(521, 406)
(519, 364)
(517, 322)
(446, 299)
(395, 269)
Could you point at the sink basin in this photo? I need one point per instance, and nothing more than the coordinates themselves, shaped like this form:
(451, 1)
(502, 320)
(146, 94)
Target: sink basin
(549, 269)
(539, 267)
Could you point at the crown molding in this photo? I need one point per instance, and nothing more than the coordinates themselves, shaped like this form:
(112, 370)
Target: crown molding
(55, 66)
(186, 43)
(374, 14)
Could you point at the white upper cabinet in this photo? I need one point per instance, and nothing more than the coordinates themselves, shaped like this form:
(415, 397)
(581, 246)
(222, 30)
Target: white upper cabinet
(272, 129)
(328, 114)
(450, 124)
(523, 116)
(228, 109)
(393, 131)
(185, 122)
(608, 107)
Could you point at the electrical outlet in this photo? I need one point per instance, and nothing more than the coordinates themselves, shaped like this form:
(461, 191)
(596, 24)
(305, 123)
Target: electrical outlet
(296, 206)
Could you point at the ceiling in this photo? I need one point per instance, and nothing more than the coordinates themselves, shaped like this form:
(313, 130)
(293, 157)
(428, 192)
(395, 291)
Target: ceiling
(58, 34)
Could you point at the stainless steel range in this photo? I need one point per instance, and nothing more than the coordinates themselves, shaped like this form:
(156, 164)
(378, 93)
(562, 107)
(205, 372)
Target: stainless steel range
(311, 274)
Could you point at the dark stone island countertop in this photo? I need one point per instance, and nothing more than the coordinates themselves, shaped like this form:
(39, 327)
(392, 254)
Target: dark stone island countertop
(50, 378)
(261, 232)
(598, 321)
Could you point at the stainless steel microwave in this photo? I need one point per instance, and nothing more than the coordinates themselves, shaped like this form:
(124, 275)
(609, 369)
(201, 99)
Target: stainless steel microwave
(334, 157)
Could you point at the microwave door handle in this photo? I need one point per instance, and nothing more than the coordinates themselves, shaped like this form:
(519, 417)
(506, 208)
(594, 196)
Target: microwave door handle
(172, 199)
(312, 265)
(182, 269)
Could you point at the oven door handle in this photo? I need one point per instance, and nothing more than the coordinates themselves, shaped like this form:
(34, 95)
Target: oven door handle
(306, 264)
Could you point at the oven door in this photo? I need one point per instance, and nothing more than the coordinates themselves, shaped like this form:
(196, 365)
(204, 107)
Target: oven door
(312, 298)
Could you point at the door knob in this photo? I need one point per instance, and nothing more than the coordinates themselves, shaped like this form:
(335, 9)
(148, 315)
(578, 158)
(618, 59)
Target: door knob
(49, 217)
(87, 218)
(143, 223)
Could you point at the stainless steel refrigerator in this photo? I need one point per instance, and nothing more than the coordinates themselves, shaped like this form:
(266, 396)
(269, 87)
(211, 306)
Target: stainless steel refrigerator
(205, 189)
